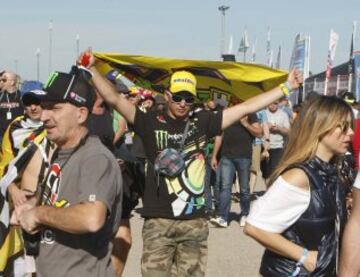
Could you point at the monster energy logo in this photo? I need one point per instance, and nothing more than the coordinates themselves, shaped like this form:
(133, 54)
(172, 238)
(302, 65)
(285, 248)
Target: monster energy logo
(161, 139)
(51, 79)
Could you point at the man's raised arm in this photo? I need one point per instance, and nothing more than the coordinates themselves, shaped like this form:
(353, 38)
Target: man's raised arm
(108, 91)
(258, 102)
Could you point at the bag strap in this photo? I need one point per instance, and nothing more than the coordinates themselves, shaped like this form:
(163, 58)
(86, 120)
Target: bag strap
(184, 135)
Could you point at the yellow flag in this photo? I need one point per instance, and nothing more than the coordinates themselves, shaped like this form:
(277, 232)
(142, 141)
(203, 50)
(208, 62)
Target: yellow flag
(215, 79)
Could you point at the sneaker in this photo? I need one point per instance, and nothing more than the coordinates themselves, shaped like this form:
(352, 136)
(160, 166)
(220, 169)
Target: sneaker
(243, 221)
(253, 197)
(219, 222)
(209, 215)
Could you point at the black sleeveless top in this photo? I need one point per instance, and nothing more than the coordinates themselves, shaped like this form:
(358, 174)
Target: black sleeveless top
(318, 228)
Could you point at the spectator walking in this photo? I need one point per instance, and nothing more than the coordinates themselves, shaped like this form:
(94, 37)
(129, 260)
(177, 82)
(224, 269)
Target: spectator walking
(301, 217)
(236, 153)
(10, 103)
(81, 199)
(21, 131)
(279, 127)
(260, 148)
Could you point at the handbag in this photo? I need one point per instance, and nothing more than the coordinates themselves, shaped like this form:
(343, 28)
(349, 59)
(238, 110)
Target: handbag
(170, 162)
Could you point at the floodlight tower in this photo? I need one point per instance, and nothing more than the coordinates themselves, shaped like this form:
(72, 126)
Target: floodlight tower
(16, 62)
(37, 64)
(77, 45)
(223, 10)
(50, 45)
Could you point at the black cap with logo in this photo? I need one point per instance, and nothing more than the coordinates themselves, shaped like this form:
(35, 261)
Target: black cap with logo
(73, 87)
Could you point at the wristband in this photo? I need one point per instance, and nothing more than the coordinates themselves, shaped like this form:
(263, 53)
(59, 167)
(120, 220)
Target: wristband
(303, 257)
(299, 263)
(286, 89)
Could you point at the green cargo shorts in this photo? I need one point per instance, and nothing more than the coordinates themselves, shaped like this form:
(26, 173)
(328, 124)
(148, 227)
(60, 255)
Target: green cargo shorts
(174, 247)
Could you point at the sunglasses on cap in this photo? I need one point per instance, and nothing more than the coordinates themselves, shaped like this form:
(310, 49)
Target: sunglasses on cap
(189, 100)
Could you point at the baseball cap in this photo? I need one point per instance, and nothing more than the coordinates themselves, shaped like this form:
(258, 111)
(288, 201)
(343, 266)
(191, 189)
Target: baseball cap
(183, 81)
(349, 98)
(31, 92)
(73, 87)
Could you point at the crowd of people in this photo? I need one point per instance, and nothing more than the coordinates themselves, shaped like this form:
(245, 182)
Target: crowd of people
(81, 150)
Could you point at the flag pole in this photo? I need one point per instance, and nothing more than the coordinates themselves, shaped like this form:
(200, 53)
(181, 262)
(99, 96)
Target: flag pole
(222, 9)
(334, 37)
(77, 45)
(351, 59)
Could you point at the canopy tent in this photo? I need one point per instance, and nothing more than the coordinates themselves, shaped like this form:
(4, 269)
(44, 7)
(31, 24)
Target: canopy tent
(215, 79)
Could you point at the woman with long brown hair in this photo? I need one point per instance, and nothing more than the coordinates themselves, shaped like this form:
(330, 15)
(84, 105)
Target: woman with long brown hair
(300, 218)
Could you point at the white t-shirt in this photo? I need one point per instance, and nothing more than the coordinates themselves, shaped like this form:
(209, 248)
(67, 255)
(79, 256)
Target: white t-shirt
(357, 180)
(281, 119)
(279, 207)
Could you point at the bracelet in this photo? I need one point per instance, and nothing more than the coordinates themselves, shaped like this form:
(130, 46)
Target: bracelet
(286, 89)
(303, 257)
(300, 263)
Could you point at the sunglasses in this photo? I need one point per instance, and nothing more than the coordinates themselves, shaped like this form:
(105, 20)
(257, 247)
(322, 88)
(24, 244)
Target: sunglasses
(345, 126)
(178, 98)
(3, 80)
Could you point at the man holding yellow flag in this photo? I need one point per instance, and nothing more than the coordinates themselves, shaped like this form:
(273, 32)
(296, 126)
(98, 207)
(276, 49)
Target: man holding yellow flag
(175, 230)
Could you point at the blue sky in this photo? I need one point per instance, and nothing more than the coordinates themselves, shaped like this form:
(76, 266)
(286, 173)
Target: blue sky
(179, 29)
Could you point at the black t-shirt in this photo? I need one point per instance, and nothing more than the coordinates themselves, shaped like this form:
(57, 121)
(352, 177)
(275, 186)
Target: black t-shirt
(136, 148)
(181, 197)
(10, 108)
(101, 126)
(237, 140)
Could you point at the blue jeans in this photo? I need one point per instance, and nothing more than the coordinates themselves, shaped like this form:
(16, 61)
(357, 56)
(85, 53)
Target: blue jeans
(228, 167)
(211, 181)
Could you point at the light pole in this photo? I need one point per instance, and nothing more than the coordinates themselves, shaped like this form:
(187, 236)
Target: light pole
(222, 9)
(50, 45)
(16, 66)
(38, 64)
(77, 45)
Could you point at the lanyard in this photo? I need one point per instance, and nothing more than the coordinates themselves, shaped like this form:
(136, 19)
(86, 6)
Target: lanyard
(7, 98)
(45, 198)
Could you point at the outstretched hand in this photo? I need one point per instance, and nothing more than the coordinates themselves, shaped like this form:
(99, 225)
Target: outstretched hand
(86, 58)
(295, 78)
